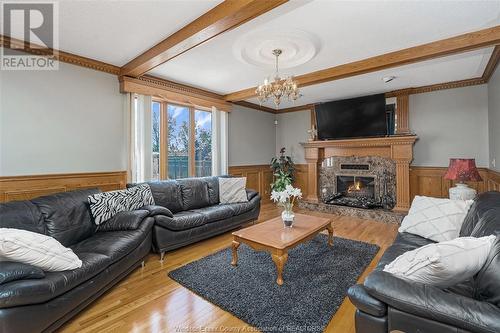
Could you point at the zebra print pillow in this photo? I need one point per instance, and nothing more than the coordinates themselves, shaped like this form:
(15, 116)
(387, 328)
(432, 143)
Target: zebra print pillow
(105, 205)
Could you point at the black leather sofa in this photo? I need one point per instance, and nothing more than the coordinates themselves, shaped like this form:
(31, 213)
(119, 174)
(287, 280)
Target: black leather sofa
(108, 253)
(386, 303)
(193, 212)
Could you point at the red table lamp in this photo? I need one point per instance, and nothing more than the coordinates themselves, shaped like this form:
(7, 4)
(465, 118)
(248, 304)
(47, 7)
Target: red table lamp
(462, 170)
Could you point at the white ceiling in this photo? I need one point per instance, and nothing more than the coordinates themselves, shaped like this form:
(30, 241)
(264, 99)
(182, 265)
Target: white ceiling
(342, 31)
(347, 31)
(452, 68)
(117, 31)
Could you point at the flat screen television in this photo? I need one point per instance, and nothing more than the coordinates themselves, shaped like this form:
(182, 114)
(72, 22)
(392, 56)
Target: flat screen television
(352, 118)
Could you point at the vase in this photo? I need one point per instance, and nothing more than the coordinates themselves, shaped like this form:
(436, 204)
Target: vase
(288, 216)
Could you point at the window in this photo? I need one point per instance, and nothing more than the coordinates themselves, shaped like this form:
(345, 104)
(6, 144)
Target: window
(203, 143)
(155, 139)
(181, 142)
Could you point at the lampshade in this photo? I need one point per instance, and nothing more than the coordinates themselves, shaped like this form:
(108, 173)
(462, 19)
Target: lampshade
(462, 170)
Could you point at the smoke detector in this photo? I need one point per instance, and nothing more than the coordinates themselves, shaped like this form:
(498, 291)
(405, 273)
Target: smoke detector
(388, 79)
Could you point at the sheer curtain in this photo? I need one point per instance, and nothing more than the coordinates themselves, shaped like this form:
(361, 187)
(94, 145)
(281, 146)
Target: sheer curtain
(219, 142)
(140, 167)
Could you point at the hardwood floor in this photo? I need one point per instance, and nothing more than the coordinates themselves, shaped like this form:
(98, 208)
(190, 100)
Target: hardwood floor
(149, 301)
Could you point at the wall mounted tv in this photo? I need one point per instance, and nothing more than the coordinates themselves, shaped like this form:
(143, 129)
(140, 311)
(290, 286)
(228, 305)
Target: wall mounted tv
(352, 118)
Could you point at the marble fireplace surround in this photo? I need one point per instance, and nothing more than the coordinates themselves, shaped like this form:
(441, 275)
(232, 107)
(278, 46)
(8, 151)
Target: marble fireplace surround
(399, 149)
(381, 169)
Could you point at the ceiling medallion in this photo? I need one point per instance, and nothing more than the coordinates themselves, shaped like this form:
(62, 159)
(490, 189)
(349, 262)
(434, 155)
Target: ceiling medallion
(279, 87)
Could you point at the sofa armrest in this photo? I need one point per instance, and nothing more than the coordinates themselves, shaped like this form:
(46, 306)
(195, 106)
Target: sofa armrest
(129, 220)
(433, 303)
(366, 303)
(158, 210)
(251, 194)
(163, 221)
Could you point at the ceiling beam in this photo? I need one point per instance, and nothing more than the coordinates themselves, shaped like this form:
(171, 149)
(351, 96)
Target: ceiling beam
(445, 47)
(255, 106)
(492, 64)
(225, 16)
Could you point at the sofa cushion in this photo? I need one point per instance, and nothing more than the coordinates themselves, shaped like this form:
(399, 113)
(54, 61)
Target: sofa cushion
(67, 215)
(213, 189)
(36, 249)
(114, 244)
(443, 264)
(194, 193)
(487, 281)
(483, 218)
(23, 292)
(240, 208)
(12, 271)
(232, 190)
(106, 205)
(215, 213)
(167, 193)
(437, 219)
(22, 215)
(404, 242)
(181, 221)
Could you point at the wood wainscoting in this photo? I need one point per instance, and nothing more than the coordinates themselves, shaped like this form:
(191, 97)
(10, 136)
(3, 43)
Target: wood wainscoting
(493, 182)
(429, 181)
(260, 177)
(28, 187)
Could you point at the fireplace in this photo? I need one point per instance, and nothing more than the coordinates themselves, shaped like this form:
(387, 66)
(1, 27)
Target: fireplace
(356, 186)
(363, 182)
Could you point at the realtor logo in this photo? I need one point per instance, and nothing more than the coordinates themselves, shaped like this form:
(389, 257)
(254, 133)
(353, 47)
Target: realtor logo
(31, 31)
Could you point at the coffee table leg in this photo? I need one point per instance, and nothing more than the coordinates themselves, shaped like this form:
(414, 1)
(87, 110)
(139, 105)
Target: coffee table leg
(280, 261)
(236, 244)
(330, 234)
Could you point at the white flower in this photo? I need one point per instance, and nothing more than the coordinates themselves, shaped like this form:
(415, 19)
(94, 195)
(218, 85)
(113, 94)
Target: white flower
(275, 196)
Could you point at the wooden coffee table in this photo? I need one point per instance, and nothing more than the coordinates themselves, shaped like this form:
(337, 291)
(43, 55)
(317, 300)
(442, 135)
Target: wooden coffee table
(273, 237)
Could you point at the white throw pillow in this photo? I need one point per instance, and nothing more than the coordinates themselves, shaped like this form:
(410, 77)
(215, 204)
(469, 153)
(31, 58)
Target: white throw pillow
(443, 264)
(232, 190)
(435, 219)
(105, 205)
(36, 249)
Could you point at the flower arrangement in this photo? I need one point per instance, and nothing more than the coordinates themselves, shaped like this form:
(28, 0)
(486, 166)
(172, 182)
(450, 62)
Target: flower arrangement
(286, 198)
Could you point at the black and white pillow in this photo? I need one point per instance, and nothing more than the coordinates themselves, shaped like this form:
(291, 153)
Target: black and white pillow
(105, 205)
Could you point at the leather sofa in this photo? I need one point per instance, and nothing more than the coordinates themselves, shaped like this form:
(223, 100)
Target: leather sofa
(386, 303)
(191, 212)
(108, 253)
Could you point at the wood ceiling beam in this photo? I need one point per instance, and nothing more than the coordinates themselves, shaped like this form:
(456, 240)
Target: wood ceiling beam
(255, 106)
(492, 64)
(225, 16)
(445, 47)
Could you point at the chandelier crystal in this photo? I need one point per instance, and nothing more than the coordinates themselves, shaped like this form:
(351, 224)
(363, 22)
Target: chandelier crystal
(279, 87)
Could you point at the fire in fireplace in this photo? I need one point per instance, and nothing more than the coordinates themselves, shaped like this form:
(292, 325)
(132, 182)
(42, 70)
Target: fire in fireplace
(356, 186)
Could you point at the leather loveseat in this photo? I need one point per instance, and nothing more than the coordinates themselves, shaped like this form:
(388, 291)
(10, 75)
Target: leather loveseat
(108, 253)
(386, 303)
(193, 212)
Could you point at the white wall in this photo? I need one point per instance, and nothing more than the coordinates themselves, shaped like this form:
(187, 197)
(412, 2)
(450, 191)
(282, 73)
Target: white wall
(252, 136)
(291, 131)
(494, 119)
(450, 123)
(70, 120)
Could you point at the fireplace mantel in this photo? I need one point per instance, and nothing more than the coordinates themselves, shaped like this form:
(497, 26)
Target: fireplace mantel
(397, 148)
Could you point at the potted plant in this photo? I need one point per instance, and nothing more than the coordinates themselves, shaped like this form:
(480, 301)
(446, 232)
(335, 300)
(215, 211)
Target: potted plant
(283, 171)
(286, 198)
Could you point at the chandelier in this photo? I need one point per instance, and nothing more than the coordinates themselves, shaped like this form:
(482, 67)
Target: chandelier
(278, 88)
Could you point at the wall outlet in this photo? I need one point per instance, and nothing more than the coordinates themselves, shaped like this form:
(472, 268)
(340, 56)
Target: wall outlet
(494, 162)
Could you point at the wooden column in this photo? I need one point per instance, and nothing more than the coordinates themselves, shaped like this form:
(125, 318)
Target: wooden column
(402, 114)
(402, 185)
(312, 157)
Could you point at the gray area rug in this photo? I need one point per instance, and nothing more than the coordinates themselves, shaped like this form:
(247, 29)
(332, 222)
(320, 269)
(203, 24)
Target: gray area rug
(316, 279)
